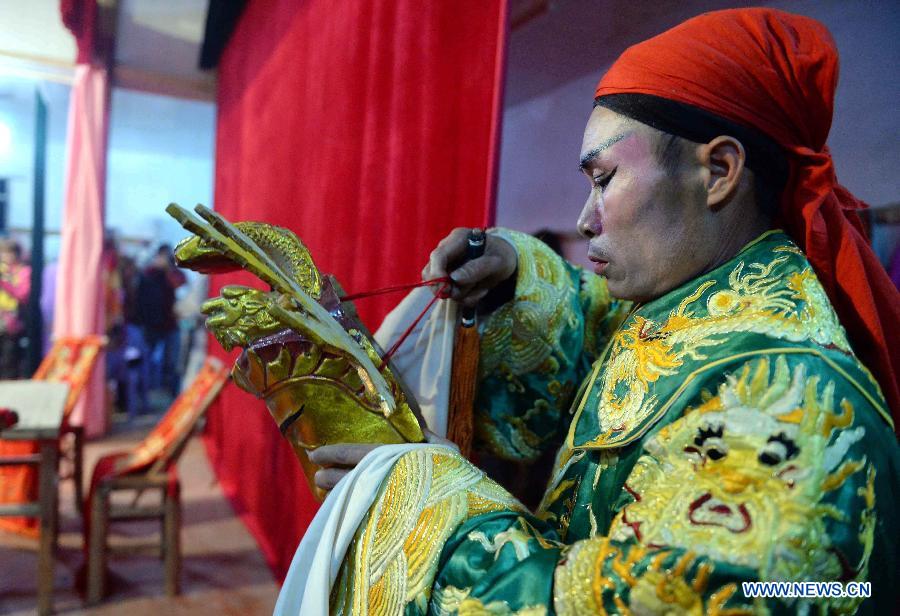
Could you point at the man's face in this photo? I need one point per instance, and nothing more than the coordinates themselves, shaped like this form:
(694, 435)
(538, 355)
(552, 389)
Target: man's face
(644, 220)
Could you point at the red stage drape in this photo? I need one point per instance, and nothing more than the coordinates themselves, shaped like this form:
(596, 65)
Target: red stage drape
(369, 129)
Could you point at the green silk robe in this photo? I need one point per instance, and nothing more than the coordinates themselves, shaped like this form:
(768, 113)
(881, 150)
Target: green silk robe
(722, 433)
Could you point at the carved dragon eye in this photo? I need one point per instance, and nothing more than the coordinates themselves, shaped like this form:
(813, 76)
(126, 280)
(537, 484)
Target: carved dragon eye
(709, 441)
(778, 449)
(716, 451)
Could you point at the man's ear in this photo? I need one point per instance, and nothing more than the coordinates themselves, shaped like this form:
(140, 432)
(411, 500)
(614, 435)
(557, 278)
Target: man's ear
(724, 158)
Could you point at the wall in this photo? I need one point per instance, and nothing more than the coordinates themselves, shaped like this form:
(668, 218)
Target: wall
(33, 28)
(17, 112)
(160, 150)
(539, 183)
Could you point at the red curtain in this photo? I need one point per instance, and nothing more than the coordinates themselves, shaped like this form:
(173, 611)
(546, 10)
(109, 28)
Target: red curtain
(369, 129)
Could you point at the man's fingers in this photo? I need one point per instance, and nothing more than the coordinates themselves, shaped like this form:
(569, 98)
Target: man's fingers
(471, 299)
(337, 461)
(455, 243)
(450, 249)
(340, 455)
(475, 271)
(327, 478)
(437, 266)
(472, 280)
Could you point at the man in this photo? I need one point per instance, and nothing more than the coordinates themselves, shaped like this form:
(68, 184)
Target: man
(155, 308)
(15, 284)
(724, 430)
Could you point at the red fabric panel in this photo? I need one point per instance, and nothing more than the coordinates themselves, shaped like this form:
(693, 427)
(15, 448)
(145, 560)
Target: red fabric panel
(80, 17)
(178, 422)
(777, 72)
(369, 129)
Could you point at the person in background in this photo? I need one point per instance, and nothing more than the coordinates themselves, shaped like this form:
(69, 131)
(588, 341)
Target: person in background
(15, 285)
(132, 398)
(117, 369)
(130, 275)
(155, 312)
(191, 320)
(112, 284)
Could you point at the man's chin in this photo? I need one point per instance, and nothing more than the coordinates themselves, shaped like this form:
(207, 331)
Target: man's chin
(620, 289)
(617, 288)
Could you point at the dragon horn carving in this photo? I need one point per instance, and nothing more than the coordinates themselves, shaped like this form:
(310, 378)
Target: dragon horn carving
(305, 352)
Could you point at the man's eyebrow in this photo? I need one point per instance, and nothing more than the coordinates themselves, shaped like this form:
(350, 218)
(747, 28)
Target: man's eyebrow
(590, 156)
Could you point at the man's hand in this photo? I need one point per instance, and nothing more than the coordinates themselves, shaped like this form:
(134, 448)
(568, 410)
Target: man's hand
(338, 460)
(473, 279)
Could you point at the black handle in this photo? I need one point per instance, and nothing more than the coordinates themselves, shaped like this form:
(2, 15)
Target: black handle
(474, 249)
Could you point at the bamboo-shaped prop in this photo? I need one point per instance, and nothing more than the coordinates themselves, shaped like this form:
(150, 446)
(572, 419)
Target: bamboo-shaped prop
(464, 373)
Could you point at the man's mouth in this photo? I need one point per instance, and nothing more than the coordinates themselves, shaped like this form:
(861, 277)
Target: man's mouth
(599, 264)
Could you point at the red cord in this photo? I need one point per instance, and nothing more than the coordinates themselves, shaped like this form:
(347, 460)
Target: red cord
(443, 293)
(399, 287)
(409, 330)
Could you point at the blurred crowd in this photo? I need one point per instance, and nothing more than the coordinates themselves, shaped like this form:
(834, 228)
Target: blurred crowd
(15, 287)
(153, 322)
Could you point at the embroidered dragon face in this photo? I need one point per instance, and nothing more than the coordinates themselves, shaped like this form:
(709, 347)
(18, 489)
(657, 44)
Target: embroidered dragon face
(741, 476)
(777, 297)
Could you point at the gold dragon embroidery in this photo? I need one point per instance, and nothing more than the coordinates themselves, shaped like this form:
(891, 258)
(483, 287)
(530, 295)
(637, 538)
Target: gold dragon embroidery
(757, 299)
(743, 477)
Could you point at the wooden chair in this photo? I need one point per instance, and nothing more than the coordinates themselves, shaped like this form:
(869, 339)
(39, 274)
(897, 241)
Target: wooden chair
(70, 360)
(151, 466)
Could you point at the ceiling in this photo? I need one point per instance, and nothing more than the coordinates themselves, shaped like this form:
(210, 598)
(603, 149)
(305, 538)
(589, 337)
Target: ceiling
(162, 36)
(158, 41)
(557, 41)
(157, 45)
(552, 42)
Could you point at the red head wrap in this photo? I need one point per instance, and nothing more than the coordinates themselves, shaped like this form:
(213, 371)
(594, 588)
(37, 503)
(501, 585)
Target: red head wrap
(776, 73)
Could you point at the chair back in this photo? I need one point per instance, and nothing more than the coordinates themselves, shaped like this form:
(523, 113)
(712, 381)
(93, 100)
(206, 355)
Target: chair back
(71, 360)
(162, 447)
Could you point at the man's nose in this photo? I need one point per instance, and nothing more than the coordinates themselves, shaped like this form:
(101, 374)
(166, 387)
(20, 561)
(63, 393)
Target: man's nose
(589, 224)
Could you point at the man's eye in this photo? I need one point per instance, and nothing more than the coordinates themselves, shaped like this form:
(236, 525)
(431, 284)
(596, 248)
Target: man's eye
(601, 181)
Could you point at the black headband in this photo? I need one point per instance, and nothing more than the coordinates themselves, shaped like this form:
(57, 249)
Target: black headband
(764, 156)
